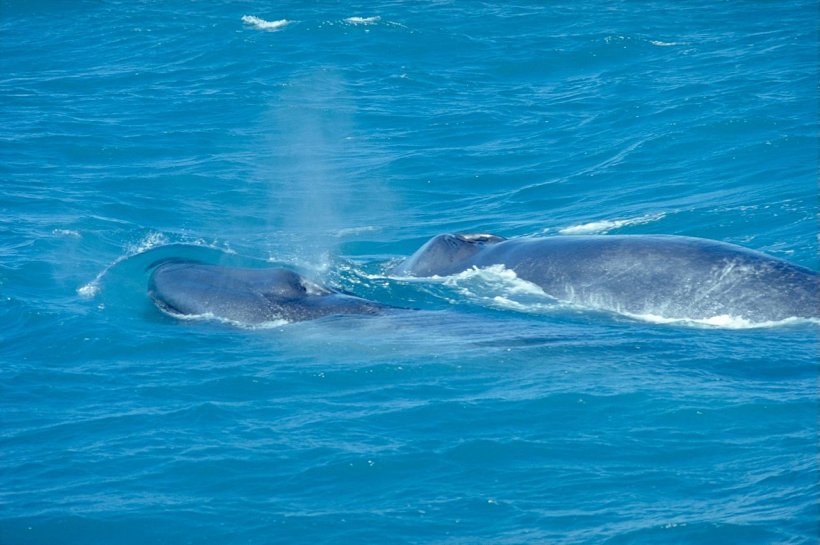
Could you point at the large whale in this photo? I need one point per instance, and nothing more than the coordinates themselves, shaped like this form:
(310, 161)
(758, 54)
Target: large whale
(246, 295)
(667, 276)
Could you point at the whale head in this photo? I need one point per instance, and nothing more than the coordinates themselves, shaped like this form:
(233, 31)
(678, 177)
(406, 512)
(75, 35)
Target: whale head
(189, 288)
(444, 255)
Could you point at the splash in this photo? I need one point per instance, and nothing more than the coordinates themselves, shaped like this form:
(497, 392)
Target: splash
(92, 288)
(499, 287)
(150, 241)
(497, 276)
(495, 286)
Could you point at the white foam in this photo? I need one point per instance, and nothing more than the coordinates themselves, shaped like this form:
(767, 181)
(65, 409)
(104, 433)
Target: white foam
(262, 24)
(150, 241)
(66, 233)
(91, 289)
(498, 281)
(497, 275)
(363, 20)
(665, 44)
(604, 226)
(499, 287)
(723, 321)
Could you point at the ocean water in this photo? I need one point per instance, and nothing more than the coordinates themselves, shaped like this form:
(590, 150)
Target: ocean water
(335, 138)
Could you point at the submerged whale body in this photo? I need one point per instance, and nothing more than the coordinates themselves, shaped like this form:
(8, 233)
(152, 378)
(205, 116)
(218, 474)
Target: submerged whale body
(248, 296)
(666, 276)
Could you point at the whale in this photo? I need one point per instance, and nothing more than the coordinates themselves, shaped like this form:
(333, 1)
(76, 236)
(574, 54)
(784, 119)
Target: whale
(667, 276)
(183, 288)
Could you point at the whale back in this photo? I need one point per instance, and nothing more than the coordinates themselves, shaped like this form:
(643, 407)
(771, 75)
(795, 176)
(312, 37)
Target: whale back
(667, 276)
(663, 275)
(445, 254)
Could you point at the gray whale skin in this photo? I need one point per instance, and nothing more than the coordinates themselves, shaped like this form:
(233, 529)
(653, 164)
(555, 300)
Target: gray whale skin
(669, 276)
(246, 295)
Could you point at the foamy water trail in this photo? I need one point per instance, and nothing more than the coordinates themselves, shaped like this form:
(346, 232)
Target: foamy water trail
(363, 20)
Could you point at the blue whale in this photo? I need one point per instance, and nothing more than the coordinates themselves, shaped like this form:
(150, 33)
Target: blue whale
(247, 295)
(668, 276)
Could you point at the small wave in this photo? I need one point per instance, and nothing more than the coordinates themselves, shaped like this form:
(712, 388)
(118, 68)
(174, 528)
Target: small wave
(363, 20)
(151, 241)
(262, 24)
(604, 226)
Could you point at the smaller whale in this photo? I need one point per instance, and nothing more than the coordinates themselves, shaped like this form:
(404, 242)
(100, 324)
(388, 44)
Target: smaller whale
(246, 295)
(669, 276)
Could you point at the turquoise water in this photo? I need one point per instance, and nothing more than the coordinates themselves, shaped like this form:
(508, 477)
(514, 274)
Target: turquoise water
(335, 139)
